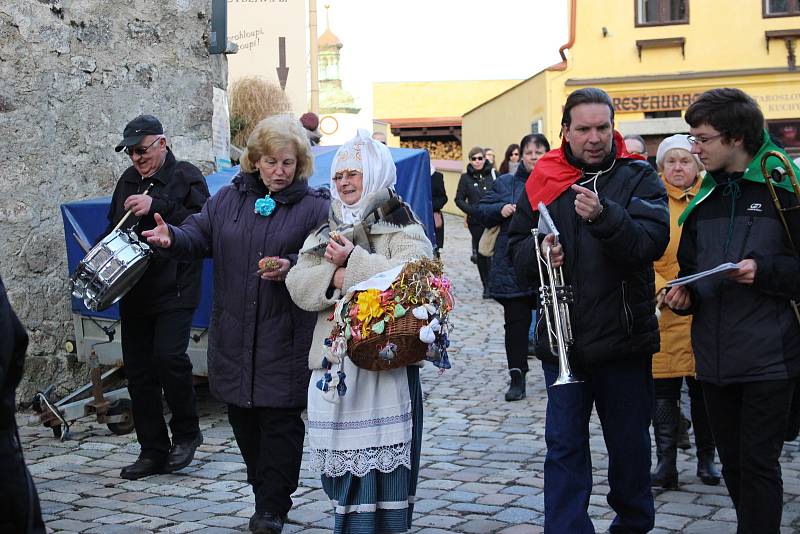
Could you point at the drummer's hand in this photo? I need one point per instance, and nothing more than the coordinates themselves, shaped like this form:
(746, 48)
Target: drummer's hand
(338, 278)
(279, 274)
(159, 236)
(139, 203)
(678, 298)
(556, 252)
(337, 252)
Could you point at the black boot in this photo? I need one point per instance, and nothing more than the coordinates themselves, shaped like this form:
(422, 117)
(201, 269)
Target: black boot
(266, 523)
(704, 441)
(665, 425)
(516, 390)
(683, 432)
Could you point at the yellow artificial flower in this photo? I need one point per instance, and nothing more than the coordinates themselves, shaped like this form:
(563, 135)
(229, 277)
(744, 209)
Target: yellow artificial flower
(369, 306)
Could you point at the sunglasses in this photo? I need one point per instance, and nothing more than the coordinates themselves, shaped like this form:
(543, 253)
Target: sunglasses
(476, 158)
(139, 151)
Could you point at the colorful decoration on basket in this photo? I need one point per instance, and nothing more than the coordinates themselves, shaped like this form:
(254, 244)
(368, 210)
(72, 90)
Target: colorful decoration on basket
(373, 326)
(265, 206)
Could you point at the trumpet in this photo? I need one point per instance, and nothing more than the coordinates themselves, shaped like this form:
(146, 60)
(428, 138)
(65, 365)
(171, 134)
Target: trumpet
(776, 176)
(555, 297)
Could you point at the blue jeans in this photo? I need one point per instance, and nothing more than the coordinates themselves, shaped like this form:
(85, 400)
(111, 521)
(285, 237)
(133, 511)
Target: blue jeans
(622, 392)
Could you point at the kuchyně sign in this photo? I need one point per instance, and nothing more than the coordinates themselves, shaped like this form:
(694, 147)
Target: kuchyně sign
(652, 101)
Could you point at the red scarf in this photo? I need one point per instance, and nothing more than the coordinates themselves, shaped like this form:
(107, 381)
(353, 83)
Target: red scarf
(553, 174)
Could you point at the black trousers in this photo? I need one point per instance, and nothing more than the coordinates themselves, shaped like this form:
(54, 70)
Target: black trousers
(517, 317)
(20, 503)
(271, 441)
(484, 263)
(749, 421)
(154, 354)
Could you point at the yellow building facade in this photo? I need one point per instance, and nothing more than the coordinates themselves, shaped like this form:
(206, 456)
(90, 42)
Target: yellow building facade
(411, 104)
(654, 57)
(432, 110)
(432, 99)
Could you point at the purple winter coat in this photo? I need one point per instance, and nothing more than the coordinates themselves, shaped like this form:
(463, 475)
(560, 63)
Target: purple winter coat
(258, 339)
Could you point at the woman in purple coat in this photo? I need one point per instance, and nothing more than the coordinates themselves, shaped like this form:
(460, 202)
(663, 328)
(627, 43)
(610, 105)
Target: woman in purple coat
(259, 339)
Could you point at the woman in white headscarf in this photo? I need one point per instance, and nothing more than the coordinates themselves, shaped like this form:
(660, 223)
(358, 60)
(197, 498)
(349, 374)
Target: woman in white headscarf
(366, 444)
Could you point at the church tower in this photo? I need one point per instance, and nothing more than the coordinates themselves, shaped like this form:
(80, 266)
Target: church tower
(338, 109)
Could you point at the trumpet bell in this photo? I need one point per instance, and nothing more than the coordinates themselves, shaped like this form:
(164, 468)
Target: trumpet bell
(565, 378)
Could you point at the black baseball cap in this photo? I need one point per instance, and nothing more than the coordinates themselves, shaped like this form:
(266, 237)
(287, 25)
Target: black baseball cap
(137, 129)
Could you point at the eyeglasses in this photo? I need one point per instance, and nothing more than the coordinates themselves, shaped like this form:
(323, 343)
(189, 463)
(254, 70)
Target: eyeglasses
(476, 158)
(702, 140)
(139, 151)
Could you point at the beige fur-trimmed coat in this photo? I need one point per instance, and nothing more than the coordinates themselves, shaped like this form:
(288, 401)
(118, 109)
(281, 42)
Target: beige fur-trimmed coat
(309, 280)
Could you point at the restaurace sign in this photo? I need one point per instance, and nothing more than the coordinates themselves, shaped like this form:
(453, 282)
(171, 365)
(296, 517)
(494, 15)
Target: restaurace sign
(648, 102)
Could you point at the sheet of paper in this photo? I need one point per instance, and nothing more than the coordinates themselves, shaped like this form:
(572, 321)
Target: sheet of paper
(546, 224)
(721, 268)
(381, 281)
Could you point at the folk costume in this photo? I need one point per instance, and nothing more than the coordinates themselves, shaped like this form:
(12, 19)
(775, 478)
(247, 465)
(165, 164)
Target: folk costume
(366, 444)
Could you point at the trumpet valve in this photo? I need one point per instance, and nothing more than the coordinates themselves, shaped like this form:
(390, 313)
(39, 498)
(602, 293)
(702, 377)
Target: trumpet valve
(565, 294)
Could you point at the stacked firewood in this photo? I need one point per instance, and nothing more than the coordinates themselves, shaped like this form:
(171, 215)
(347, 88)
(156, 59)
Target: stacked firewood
(437, 149)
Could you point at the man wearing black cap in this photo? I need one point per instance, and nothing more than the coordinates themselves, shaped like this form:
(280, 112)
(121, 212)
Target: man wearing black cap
(156, 313)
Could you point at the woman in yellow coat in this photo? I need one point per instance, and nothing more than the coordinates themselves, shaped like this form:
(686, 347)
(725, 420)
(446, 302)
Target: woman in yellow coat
(681, 173)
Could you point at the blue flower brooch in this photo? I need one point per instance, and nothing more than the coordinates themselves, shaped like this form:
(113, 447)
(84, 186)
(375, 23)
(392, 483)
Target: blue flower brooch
(265, 206)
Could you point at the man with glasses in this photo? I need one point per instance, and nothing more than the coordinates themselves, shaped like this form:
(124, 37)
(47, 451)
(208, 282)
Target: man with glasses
(156, 314)
(472, 186)
(745, 335)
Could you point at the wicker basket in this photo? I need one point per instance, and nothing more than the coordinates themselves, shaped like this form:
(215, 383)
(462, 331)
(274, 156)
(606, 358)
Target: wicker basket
(403, 332)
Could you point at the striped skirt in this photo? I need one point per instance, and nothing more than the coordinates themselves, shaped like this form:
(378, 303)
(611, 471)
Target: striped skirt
(380, 502)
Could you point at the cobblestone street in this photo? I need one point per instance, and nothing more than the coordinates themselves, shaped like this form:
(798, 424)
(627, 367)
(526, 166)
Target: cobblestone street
(482, 457)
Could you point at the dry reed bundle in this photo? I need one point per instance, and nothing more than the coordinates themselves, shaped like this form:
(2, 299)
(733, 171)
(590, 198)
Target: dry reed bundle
(251, 99)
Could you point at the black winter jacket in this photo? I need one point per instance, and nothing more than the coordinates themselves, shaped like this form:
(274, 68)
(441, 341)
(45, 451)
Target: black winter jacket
(438, 200)
(13, 343)
(179, 190)
(259, 339)
(742, 333)
(507, 190)
(471, 187)
(608, 262)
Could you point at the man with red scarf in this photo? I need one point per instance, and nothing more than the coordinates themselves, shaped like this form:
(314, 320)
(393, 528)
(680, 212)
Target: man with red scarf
(611, 211)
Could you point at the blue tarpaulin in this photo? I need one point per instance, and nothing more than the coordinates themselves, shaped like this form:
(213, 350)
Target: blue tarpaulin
(88, 218)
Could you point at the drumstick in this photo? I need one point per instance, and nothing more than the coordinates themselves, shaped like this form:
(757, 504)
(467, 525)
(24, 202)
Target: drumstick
(81, 243)
(127, 214)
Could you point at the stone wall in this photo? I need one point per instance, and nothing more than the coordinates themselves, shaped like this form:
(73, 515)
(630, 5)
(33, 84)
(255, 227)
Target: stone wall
(72, 73)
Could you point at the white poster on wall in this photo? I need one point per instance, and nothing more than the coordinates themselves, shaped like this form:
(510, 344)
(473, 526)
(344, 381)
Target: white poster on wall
(272, 36)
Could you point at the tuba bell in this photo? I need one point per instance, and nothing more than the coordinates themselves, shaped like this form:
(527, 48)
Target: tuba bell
(776, 176)
(555, 297)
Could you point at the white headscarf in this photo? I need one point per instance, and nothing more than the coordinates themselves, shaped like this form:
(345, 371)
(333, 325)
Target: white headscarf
(373, 159)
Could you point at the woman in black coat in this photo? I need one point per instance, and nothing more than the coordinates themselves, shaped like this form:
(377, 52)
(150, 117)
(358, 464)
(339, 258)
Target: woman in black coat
(438, 199)
(472, 185)
(259, 339)
(496, 208)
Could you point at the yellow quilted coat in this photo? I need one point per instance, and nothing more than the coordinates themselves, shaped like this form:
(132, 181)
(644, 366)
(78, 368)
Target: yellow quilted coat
(676, 357)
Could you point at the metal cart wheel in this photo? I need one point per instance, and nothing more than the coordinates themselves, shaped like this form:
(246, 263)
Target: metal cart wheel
(121, 407)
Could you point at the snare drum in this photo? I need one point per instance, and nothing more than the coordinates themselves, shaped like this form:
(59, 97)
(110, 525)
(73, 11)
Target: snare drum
(110, 269)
